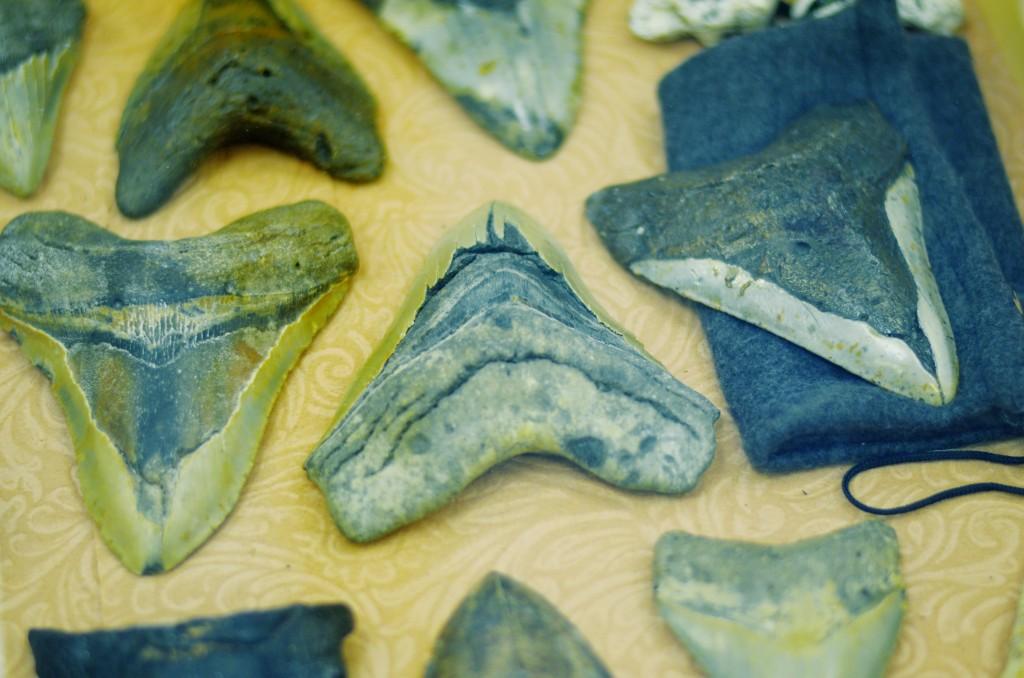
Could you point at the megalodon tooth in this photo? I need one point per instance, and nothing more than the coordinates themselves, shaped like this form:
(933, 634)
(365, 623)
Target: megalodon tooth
(1015, 661)
(504, 629)
(234, 71)
(499, 351)
(39, 42)
(513, 65)
(818, 238)
(299, 640)
(827, 606)
(167, 356)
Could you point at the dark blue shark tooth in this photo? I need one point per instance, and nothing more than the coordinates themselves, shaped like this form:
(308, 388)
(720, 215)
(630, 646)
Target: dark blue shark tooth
(38, 50)
(300, 640)
(506, 630)
(828, 606)
(513, 65)
(499, 351)
(233, 71)
(818, 238)
(167, 356)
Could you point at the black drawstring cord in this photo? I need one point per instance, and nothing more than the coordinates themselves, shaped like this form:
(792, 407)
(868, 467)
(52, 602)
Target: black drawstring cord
(924, 457)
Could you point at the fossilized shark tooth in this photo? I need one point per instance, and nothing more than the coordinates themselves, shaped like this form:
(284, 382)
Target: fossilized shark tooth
(513, 65)
(499, 351)
(818, 238)
(300, 640)
(231, 71)
(707, 20)
(506, 630)
(1015, 662)
(167, 356)
(828, 606)
(38, 50)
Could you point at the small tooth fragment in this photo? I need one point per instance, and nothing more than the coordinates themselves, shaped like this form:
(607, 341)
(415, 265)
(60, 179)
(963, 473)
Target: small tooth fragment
(167, 356)
(505, 630)
(235, 71)
(39, 42)
(818, 238)
(300, 640)
(500, 351)
(513, 65)
(827, 606)
(707, 20)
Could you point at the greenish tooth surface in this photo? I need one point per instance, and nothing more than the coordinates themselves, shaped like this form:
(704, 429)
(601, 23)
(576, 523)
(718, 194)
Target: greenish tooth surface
(505, 630)
(167, 356)
(39, 42)
(513, 65)
(499, 351)
(827, 606)
(236, 71)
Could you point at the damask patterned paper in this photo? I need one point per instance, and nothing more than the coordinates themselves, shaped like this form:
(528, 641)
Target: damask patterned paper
(585, 547)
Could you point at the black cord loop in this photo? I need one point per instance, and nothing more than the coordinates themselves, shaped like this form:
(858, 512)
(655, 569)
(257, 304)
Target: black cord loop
(925, 457)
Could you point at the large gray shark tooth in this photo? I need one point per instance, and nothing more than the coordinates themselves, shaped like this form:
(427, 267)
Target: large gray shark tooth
(513, 65)
(232, 71)
(1015, 661)
(300, 640)
(818, 238)
(506, 630)
(167, 356)
(828, 606)
(499, 351)
(38, 50)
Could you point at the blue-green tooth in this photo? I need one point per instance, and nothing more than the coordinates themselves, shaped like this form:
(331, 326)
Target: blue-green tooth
(167, 356)
(39, 41)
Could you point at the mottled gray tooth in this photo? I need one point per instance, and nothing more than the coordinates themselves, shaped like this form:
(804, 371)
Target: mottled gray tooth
(500, 351)
(827, 606)
(513, 65)
(818, 238)
(505, 630)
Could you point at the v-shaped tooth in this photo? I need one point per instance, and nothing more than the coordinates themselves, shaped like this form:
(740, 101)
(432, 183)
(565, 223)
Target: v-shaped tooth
(38, 50)
(167, 357)
(504, 628)
(819, 238)
(513, 65)
(828, 606)
(500, 351)
(232, 71)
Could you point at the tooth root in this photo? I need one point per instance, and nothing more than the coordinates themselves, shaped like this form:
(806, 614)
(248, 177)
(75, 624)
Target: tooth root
(818, 238)
(287, 641)
(167, 356)
(231, 71)
(38, 50)
(828, 606)
(499, 351)
(504, 628)
(513, 65)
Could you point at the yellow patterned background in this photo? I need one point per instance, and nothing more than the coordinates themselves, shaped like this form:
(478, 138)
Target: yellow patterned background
(585, 546)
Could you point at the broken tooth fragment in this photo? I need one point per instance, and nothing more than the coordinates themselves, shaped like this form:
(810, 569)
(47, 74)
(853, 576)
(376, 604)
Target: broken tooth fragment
(505, 630)
(234, 71)
(38, 50)
(708, 21)
(500, 351)
(300, 640)
(818, 238)
(828, 606)
(513, 65)
(167, 356)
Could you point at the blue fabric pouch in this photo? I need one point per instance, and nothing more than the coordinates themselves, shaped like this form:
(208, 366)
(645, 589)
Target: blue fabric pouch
(795, 410)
